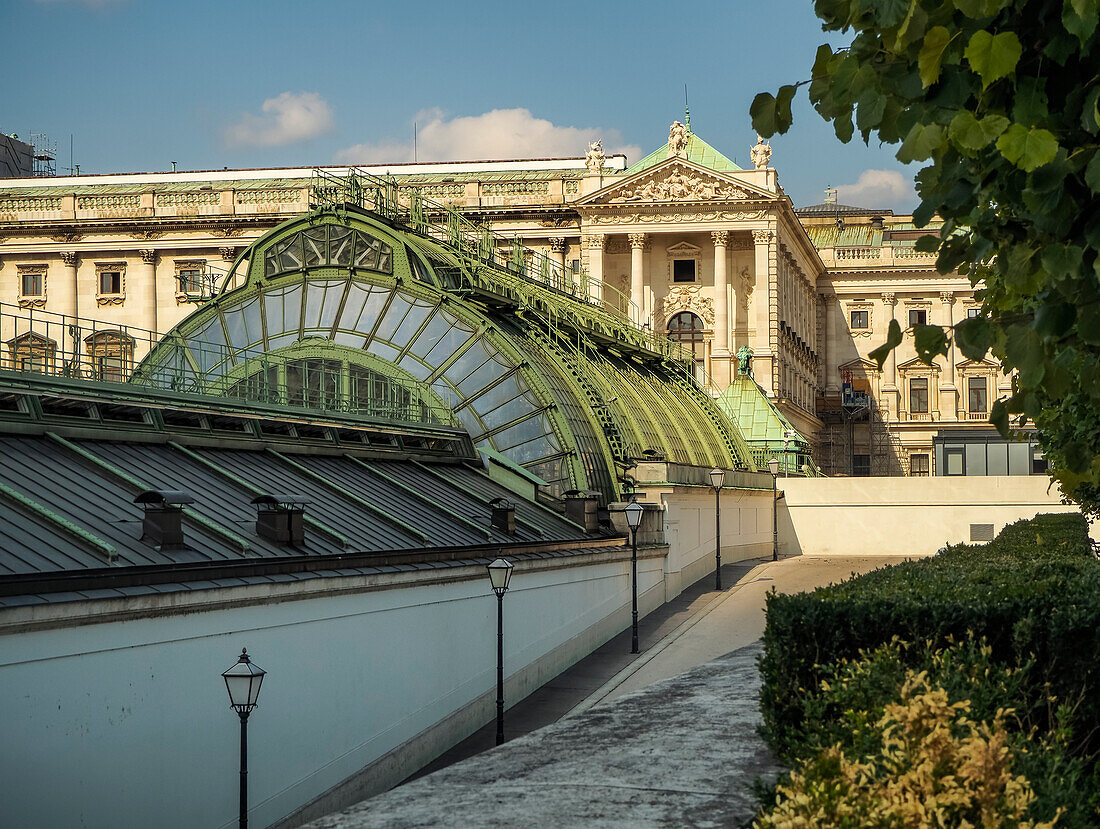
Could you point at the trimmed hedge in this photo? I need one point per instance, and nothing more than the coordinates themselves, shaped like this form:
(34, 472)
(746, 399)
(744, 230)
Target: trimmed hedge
(1032, 594)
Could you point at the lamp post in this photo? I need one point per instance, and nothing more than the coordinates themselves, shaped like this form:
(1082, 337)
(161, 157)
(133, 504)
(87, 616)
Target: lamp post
(717, 478)
(500, 573)
(243, 683)
(634, 512)
(773, 467)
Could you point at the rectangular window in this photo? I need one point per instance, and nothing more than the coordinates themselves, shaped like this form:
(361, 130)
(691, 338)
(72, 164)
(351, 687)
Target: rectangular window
(860, 319)
(918, 395)
(918, 316)
(976, 395)
(30, 283)
(918, 465)
(861, 466)
(953, 461)
(110, 282)
(973, 312)
(683, 270)
(190, 280)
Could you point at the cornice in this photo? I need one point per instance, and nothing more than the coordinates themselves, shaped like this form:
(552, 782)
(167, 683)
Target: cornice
(168, 223)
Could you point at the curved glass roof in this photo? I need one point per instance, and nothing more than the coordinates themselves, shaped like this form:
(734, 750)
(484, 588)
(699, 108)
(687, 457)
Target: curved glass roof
(342, 310)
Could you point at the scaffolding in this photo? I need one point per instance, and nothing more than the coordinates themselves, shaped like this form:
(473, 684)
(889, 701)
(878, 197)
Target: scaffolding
(45, 154)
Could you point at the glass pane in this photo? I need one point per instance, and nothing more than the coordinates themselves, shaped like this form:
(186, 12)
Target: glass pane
(472, 358)
(515, 408)
(503, 391)
(433, 332)
(340, 244)
(408, 327)
(975, 459)
(315, 245)
(414, 367)
(521, 433)
(394, 315)
(1019, 458)
(482, 377)
(997, 455)
(290, 253)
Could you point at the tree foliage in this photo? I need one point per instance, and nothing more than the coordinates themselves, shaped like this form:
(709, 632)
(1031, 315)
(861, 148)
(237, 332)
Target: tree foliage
(1001, 98)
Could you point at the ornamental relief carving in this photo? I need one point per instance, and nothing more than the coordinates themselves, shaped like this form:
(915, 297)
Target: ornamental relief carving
(682, 184)
(684, 298)
(677, 218)
(32, 302)
(748, 283)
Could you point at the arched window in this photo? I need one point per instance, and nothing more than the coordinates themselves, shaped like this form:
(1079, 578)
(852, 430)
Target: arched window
(687, 329)
(32, 352)
(111, 354)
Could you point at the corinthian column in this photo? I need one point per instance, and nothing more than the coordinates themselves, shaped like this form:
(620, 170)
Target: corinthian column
(637, 273)
(557, 247)
(890, 301)
(595, 267)
(63, 296)
(948, 391)
(721, 292)
(146, 290)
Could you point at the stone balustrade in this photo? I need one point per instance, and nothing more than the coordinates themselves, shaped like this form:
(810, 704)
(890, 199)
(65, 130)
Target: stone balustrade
(871, 258)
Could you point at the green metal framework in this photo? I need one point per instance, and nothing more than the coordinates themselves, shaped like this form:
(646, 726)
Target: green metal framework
(345, 306)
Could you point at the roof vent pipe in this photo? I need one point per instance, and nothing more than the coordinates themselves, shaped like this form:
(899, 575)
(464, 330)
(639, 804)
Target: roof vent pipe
(504, 515)
(162, 525)
(581, 507)
(281, 518)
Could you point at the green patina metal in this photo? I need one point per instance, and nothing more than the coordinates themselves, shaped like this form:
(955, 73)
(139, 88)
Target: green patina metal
(413, 303)
(79, 533)
(215, 529)
(697, 151)
(766, 431)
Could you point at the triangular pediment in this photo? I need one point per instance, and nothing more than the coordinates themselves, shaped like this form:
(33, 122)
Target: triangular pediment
(860, 365)
(916, 364)
(674, 181)
(977, 365)
(684, 249)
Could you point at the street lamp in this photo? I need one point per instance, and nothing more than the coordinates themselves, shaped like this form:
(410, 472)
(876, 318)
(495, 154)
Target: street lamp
(243, 683)
(634, 512)
(500, 573)
(717, 478)
(773, 467)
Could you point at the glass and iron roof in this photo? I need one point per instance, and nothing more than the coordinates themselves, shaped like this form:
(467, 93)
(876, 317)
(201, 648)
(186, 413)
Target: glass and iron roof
(349, 309)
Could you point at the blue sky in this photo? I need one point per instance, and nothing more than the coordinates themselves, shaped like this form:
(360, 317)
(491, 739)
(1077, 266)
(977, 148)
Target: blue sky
(244, 83)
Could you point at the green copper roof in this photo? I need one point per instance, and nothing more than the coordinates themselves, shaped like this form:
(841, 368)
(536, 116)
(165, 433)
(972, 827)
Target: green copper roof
(698, 152)
(760, 422)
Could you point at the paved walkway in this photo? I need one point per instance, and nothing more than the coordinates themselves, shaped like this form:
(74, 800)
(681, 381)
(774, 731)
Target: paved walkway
(663, 738)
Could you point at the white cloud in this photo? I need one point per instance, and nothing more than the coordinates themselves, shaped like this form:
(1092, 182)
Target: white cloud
(878, 189)
(286, 119)
(498, 134)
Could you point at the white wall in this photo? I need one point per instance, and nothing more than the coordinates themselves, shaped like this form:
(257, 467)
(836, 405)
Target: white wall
(127, 722)
(689, 526)
(903, 516)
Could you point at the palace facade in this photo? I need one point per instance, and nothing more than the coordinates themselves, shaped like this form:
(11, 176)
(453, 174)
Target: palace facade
(683, 242)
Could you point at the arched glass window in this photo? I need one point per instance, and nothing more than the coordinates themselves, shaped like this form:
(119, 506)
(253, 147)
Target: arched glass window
(111, 354)
(687, 329)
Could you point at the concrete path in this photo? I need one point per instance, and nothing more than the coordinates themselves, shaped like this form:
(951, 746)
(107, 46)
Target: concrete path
(662, 739)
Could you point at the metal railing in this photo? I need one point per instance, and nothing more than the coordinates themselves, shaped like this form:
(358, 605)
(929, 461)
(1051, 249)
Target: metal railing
(49, 344)
(793, 463)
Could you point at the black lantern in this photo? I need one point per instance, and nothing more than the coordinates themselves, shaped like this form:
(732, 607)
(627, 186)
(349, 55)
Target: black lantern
(242, 681)
(717, 479)
(634, 512)
(500, 574)
(773, 466)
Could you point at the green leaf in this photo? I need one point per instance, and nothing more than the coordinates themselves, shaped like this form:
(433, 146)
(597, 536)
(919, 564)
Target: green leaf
(998, 416)
(930, 341)
(869, 108)
(890, 13)
(1028, 149)
(930, 58)
(1080, 17)
(771, 114)
(922, 142)
(762, 111)
(993, 57)
(1088, 324)
(969, 134)
(1092, 173)
(1062, 261)
(1090, 111)
(927, 244)
(1054, 320)
(1023, 349)
(843, 128)
(893, 340)
(1030, 106)
(974, 337)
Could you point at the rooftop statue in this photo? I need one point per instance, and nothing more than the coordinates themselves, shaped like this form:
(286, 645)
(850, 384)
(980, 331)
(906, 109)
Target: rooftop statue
(744, 360)
(760, 154)
(594, 157)
(677, 140)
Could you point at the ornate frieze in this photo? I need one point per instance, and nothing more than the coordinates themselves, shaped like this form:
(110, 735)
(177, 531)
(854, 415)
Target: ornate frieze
(681, 184)
(684, 298)
(676, 218)
(147, 235)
